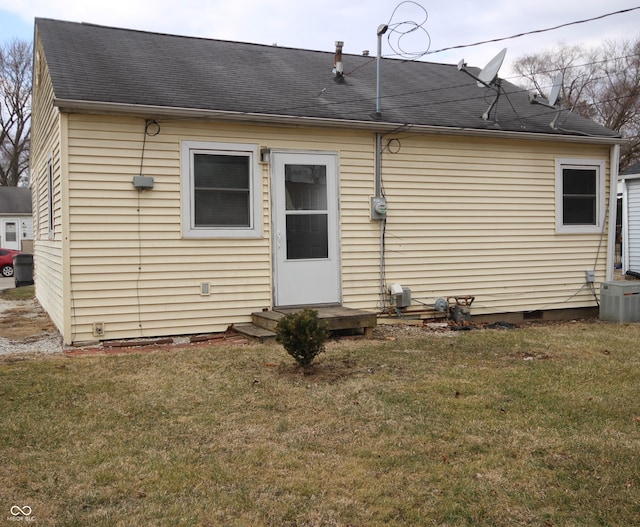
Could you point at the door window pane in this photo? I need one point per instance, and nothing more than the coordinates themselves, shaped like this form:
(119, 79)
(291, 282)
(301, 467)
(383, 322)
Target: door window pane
(307, 236)
(306, 187)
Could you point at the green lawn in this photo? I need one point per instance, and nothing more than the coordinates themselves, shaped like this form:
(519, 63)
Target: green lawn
(537, 426)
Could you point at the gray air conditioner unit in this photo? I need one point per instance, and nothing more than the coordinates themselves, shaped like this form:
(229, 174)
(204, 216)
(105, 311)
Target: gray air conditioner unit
(400, 296)
(620, 301)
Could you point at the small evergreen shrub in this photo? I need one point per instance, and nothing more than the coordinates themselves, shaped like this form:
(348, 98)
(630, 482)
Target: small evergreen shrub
(303, 335)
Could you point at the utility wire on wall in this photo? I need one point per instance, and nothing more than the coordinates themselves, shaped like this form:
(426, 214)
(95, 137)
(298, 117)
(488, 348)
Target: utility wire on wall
(151, 129)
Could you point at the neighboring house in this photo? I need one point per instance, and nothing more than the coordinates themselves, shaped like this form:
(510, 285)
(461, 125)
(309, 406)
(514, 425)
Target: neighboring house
(16, 221)
(183, 183)
(630, 189)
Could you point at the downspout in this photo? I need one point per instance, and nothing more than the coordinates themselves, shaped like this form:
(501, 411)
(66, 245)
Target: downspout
(614, 161)
(625, 228)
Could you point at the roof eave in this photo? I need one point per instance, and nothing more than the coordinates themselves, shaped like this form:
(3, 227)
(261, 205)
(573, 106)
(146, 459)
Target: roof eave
(157, 112)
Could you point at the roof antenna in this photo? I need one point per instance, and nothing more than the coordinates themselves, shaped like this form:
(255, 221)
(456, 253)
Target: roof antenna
(488, 78)
(554, 99)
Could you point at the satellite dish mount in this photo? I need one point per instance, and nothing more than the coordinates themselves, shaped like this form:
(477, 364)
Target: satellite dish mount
(488, 78)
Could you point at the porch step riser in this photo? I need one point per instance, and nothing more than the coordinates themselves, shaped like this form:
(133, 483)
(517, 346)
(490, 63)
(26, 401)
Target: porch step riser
(255, 333)
(336, 319)
(266, 319)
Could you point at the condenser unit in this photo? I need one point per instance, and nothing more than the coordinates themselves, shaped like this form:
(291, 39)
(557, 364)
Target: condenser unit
(620, 301)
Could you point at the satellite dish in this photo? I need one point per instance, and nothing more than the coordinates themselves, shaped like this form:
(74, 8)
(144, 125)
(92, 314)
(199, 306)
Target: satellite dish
(489, 73)
(554, 94)
(552, 101)
(488, 78)
(555, 89)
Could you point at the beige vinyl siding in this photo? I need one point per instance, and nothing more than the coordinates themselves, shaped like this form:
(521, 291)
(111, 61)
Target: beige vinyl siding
(467, 216)
(477, 217)
(46, 147)
(135, 272)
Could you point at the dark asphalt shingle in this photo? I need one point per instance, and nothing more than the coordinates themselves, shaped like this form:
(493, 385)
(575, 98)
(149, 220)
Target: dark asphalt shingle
(102, 64)
(15, 200)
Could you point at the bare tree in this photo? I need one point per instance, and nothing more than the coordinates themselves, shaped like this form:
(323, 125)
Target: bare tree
(15, 111)
(602, 84)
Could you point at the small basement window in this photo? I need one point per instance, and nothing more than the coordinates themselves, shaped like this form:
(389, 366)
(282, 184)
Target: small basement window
(580, 196)
(220, 190)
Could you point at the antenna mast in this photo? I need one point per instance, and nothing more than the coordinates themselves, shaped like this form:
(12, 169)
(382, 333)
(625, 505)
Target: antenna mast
(382, 29)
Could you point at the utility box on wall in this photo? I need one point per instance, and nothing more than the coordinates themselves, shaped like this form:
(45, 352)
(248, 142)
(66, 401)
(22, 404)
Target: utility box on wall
(620, 301)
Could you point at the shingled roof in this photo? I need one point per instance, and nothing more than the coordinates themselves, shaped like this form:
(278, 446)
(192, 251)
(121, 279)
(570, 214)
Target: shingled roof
(97, 67)
(15, 200)
(632, 170)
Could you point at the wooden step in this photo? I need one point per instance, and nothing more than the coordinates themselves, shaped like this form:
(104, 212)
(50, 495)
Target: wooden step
(255, 332)
(336, 317)
(266, 319)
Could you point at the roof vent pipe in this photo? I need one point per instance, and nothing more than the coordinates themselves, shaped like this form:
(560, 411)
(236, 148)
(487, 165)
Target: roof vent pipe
(337, 62)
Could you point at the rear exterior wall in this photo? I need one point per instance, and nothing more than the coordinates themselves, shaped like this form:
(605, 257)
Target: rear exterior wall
(467, 216)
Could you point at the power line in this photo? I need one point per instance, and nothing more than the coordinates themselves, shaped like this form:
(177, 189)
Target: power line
(534, 31)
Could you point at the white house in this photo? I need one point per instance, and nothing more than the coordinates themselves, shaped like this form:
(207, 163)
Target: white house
(16, 221)
(630, 189)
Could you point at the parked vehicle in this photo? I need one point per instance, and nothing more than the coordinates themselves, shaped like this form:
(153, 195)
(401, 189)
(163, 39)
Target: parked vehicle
(6, 262)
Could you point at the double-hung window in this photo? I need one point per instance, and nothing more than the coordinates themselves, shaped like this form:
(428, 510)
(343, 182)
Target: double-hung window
(220, 190)
(580, 193)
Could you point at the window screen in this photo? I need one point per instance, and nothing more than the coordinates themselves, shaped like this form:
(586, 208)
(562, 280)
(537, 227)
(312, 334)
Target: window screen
(222, 193)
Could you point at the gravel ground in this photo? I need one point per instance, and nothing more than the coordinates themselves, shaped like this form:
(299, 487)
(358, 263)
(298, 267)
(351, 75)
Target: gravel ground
(44, 342)
(49, 342)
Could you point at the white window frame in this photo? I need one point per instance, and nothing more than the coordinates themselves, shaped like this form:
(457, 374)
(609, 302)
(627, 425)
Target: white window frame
(50, 201)
(35, 193)
(599, 167)
(189, 230)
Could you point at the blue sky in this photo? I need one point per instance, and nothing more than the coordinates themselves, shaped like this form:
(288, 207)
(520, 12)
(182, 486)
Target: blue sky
(14, 26)
(317, 24)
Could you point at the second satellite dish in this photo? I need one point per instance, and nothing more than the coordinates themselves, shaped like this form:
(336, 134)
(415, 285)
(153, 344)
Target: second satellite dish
(555, 89)
(554, 94)
(553, 100)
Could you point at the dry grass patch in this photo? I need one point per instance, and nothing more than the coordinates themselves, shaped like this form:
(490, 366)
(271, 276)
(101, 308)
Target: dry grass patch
(18, 293)
(537, 426)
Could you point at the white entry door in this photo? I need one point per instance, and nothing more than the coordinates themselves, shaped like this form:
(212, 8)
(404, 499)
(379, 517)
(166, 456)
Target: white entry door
(305, 237)
(10, 235)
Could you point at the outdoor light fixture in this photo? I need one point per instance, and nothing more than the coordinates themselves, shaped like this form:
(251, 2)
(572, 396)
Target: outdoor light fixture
(265, 155)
